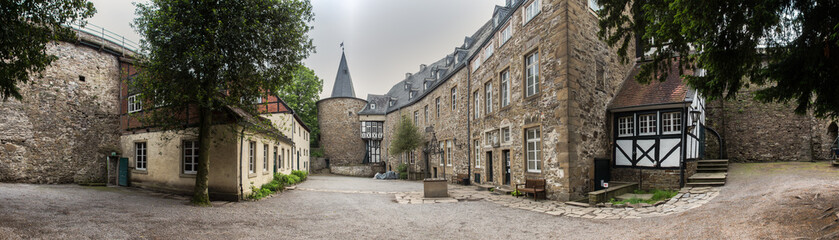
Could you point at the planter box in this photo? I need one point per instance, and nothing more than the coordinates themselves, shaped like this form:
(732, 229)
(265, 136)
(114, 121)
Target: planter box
(435, 188)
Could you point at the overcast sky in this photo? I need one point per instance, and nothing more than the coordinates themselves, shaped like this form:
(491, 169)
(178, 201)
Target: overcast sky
(383, 39)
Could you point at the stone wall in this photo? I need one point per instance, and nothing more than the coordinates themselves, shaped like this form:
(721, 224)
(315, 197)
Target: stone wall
(765, 132)
(64, 127)
(357, 170)
(650, 178)
(318, 165)
(340, 137)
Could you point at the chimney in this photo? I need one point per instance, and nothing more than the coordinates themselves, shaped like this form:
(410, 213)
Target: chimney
(422, 67)
(407, 75)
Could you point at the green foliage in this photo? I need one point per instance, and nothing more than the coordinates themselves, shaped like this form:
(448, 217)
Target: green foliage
(209, 55)
(658, 195)
(789, 48)
(276, 185)
(403, 175)
(317, 152)
(302, 95)
(27, 27)
(302, 175)
(407, 137)
(402, 168)
(516, 193)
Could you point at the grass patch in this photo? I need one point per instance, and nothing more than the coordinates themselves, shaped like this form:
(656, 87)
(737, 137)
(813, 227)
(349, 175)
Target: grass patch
(658, 195)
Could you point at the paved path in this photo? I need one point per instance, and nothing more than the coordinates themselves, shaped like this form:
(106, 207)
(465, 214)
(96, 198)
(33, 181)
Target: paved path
(765, 201)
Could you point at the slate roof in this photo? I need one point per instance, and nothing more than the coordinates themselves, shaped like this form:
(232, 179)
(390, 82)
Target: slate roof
(381, 105)
(343, 82)
(634, 94)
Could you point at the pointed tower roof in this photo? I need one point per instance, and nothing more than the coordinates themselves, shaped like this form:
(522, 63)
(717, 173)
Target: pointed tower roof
(343, 82)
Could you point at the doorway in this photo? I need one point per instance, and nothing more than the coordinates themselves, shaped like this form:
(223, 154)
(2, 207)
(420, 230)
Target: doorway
(505, 159)
(490, 177)
(435, 172)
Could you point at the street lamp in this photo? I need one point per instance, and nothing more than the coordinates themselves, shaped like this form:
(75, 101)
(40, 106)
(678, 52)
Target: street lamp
(694, 119)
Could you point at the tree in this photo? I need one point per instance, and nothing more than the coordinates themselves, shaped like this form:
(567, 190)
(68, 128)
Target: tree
(27, 27)
(407, 137)
(789, 48)
(302, 95)
(212, 54)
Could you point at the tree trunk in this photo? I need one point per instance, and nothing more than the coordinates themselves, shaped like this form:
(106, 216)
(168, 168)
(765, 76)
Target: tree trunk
(201, 196)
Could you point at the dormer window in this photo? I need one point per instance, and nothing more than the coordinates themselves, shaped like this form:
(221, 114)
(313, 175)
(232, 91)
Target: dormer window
(411, 94)
(391, 103)
(372, 106)
(406, 86)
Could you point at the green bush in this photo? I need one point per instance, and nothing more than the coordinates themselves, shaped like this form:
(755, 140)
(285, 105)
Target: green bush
(293, 179)
(516, 193)
(402, 168)
(300, 174)
(277, 184)
(403, 175)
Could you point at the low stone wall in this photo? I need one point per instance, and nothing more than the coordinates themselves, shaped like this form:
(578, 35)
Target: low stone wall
(650, 178)
(317, 165)
(358, 170)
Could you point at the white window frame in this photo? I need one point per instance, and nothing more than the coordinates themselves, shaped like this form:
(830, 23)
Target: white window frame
(372, 106)
(454, 98)
(476, 63)
(505, 88)
(488, 97)
(533, 148)
(626, 126)
(506, 34)
(141, 156)
(531, 10)
(191, 158)
(134, 103)
(477, 107)
(265, 157)
(437, 106)
(671, 122)
(425, 112)
(532, 74)
(443, 157)
(505, 135)
(488, 51)
(477, 153)
(251, 157)
(416, 117)
(449, 153)
(647, 124)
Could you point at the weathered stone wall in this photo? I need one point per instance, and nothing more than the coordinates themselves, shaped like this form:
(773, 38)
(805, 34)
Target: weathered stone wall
(663, 179)
(340, 137)
(358, 170)
(761, 132)
(63, 128)
(318, 165)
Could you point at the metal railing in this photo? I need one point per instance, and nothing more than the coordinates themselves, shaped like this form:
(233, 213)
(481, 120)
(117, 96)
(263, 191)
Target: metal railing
(109, 36)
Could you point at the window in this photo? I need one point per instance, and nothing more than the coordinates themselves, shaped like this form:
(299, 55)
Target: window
(505, 135)
(594, 6)
(534, 149)
(532, 74)
(258, 100)
(134, 103)
(488, 96)
(265, 157)
(375, 151)
(443, 156)
(413, 156)
(416, 117)
(454, 97)
(506, 34)
(488, 51)
(477, 153)
(626, 128)
(276, 158)
(425, 109)
(505, 88)
(647, 124)
(477, 107)
(411, 95)
(391, 102)
(531, 10)
(251, 156)
(437, 108)
(488, 138)
(190, 157)
(140, 156)
(671, 122)
(372, 106)
(449, 152)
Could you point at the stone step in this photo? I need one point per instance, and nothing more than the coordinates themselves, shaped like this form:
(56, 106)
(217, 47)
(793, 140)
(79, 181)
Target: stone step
(699, 184)
(711, 170)
(712, 165)
(713, 161)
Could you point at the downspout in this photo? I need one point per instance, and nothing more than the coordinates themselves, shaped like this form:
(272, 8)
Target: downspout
(683, 149)
(720, 140)
(468, 120)
(241, 146)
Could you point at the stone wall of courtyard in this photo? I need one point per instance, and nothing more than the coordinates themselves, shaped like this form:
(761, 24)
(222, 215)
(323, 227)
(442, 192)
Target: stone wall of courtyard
(341, 136)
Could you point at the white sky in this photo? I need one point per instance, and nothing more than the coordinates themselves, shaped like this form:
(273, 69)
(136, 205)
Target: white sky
(383, 39)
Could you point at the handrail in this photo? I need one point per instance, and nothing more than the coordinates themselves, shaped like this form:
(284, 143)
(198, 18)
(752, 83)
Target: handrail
(105, 34)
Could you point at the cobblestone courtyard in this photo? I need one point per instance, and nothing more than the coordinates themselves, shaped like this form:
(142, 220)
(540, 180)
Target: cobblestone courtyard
(777, 200)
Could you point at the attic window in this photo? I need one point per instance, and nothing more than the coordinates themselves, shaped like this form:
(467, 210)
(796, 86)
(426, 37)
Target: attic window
(411, 94)
(391, 103)
(372, 106)
(81, 78)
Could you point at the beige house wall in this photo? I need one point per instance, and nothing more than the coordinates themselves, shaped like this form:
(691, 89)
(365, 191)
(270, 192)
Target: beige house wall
(291, 128)
(261, 173)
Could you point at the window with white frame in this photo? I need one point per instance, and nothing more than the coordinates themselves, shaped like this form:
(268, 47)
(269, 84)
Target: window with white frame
(534, 149)
(532, 74)
(443, 156)
(506, 34)
(476, 63)
(647, 124)
(265, 157)
(488, 96)
(251, 156)
(134, 103)
(140, 156)
(258, 100)
(276, 158)
(626, 128)
(372, 106)
(190, 157)
(449, 152)
(416, 117)
(505, 135)
(671, 123)
(425, 113)
(437, 106)
(477, 154)
(531, 10)
(505, 88)
(454, 97)
(488, 51)
(477, 107)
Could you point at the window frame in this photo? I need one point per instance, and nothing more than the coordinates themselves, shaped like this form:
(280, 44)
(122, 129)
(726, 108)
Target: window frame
(536, 151)
(531, 72)
(134, 103)
(449, 153)
(141, 157)
(265, 158)
(194, 156)
(528, 13)
(251, 157)
(454, 97)
(626, 128)
(506, 135)
(477, 107)
(649, 125)
(504, 88)
(437, 106)
(477, 153)
(488, 97)
(671, 123)
(506, 34)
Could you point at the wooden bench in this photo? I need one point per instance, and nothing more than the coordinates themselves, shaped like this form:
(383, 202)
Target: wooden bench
(461, 178)
(534, 186)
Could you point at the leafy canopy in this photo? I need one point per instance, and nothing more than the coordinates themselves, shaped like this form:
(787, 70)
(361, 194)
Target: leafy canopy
(788, 48)
(407, 137)
(25, 29)
(302, 95)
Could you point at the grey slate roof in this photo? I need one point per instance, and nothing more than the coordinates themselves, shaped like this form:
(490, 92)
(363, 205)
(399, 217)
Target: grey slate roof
(381, 105)
(343, 82)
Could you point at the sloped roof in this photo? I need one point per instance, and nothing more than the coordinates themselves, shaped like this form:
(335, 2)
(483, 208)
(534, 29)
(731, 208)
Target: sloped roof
(381, 105)
(634, 94)
(261, 125)
(343, 82)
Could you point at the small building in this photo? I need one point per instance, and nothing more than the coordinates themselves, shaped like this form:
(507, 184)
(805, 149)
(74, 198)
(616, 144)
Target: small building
(657, 129)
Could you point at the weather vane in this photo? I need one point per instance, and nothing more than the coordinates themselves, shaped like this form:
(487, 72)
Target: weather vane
(342, 46)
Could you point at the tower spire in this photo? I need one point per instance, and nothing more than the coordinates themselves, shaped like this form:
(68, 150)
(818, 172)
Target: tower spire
(343, 82)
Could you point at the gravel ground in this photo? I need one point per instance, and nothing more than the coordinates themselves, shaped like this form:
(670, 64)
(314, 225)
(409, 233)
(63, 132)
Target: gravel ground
(760, 201)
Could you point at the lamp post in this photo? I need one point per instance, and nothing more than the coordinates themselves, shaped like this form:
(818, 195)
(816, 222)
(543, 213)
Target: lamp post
(694, 119)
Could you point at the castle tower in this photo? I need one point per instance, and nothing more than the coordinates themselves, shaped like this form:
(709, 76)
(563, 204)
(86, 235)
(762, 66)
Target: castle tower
(340, 135)
(343, 81)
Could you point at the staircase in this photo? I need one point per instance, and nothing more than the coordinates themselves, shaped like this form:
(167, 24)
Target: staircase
(709, 173)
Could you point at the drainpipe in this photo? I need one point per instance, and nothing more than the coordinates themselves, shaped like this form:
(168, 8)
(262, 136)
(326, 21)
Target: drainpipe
(683, 158)
(468, 120)
(241, 146)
